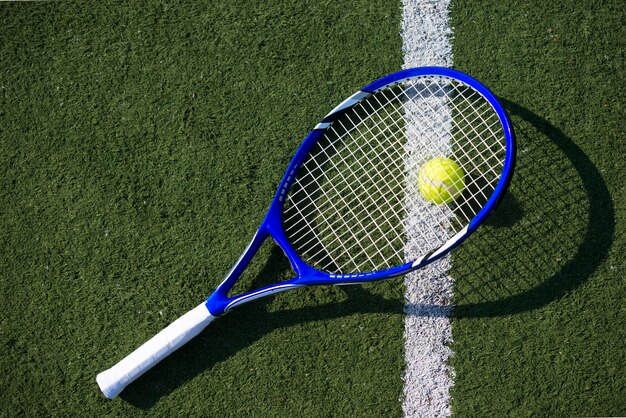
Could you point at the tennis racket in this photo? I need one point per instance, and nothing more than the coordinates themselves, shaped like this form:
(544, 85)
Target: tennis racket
(350, 210)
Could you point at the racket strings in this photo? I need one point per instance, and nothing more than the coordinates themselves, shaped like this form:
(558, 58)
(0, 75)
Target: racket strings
(387, 202)
(358, 212)
(365, 175)
(355, 201)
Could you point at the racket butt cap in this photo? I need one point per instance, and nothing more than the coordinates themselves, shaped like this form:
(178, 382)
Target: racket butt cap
(109, 388)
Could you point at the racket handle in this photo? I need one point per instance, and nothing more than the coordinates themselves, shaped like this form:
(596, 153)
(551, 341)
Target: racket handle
(179, 332)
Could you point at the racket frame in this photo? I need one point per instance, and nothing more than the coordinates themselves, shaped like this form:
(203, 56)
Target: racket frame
(219, 302)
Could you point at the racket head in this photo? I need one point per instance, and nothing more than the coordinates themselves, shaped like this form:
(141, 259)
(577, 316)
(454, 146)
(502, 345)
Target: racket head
(430, 103)
(354, 182)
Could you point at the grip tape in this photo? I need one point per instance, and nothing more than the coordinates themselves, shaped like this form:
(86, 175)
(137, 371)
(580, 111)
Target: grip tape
(179, 332)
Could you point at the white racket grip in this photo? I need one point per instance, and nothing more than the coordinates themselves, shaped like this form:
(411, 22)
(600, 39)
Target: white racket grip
(179, 332)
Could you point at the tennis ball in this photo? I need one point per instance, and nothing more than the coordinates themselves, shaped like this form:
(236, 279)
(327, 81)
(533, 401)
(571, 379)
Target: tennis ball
(441, 180)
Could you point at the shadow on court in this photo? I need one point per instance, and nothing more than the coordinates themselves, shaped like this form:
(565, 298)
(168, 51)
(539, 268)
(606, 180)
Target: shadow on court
(550, 234)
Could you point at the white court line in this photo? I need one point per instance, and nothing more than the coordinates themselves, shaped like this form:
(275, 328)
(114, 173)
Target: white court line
(428, 378)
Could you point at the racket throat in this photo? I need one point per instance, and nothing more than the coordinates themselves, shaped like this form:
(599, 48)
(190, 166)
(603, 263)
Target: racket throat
(221, 302)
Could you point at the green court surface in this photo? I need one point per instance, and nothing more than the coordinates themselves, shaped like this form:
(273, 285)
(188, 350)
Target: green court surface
(140, 145)
(540, 292)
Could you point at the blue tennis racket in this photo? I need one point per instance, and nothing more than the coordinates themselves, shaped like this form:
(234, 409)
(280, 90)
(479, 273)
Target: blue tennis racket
(353, 205)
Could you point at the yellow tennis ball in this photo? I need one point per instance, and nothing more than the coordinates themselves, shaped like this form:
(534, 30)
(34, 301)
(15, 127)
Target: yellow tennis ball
(441, 180)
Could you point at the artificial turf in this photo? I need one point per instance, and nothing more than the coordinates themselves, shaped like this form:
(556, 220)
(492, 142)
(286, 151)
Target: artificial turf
(539, 324)
(140, 147)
